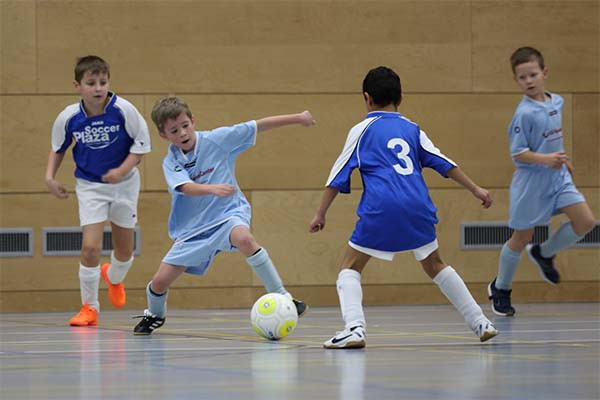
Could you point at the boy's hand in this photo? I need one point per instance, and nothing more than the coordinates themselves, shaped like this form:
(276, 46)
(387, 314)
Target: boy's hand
(113, 176)
(555, 160)
(222, 190)
(306, 118)
(317, 224)
(484, 196)
(57, 189)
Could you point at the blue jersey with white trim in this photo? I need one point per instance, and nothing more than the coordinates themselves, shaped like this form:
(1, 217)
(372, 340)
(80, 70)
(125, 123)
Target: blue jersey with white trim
(102, 142)
(211, 162)
(536, 126)
(395, 212)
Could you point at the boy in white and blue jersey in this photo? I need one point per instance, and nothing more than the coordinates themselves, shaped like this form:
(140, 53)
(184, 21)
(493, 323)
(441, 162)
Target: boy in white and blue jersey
(395, 213)
(110, 137)
(209, 212)
(541, 185)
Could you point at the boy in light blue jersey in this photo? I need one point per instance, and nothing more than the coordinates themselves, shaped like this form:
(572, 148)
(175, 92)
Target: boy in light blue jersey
(395, 212)
(541, 185)
(110, 139)
(209, 212)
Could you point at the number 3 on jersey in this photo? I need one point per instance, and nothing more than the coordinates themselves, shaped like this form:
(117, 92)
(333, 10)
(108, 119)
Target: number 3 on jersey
(402, 155)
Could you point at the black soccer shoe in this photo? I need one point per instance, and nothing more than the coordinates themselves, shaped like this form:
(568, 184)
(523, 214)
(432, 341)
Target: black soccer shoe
(301, 307)
(500, 300)
(148, 323)
(545, 265)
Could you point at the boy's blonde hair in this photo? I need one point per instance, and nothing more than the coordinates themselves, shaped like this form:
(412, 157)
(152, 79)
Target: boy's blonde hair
(169, 107)
(93, 64)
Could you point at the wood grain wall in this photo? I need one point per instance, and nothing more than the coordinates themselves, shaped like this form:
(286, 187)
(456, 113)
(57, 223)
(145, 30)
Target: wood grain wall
(237, 60)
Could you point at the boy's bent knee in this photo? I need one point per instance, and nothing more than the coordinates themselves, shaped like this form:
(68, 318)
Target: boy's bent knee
(158, 286)
(90, 255)
(584, 227)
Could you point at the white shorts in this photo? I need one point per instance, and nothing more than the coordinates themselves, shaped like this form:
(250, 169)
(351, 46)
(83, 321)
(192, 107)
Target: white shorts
(420, 253)
(114, 202)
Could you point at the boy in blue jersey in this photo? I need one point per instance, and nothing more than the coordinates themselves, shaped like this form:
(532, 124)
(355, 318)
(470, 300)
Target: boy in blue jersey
(395, 212)
(541, 185)
(209, 212)
(110, 138)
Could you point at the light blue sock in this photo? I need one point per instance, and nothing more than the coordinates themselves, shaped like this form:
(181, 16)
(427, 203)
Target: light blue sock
(263, 266)
(564, 237)
(507, 266)
(157, 303)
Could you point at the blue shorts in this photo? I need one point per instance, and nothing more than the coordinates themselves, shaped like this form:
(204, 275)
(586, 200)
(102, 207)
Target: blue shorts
(197, 252)
(538, 194)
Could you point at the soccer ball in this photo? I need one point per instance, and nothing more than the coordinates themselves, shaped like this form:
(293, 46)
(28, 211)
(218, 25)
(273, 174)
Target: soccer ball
(274, 316)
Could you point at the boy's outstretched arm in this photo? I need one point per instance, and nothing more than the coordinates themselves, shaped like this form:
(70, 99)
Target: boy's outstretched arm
(318, 221)
(275, 121)
(459, 176)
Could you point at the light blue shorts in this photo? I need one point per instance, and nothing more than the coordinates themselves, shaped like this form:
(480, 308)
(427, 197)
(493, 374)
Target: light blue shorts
(538, 194)
(197, 252)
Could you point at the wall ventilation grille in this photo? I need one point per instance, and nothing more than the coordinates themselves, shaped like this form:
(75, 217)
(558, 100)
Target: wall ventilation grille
(66, 241)
(16, 242)
(592, 239)
(492, 235)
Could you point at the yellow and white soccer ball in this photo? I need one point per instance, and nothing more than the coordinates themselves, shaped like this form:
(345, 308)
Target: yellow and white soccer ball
(274, 316)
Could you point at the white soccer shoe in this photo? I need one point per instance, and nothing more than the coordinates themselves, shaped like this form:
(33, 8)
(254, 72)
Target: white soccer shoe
(485, 330)
(353, 338)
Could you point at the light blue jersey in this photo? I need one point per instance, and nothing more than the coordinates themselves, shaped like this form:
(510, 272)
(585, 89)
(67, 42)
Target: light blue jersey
(538, 192)
(102, 142)
(395, 212)
(212, 161)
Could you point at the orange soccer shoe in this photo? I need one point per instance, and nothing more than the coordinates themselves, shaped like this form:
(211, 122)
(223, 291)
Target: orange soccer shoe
(87, 316)
(116, 293)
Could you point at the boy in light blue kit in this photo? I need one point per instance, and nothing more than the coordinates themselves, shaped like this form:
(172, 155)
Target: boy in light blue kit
(541, 185)
(110, 139)
(209, 212)
(395, 212)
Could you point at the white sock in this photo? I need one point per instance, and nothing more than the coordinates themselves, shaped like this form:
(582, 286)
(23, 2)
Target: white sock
(453, 287)
(88, 285)
(118, 269)
(350, 294)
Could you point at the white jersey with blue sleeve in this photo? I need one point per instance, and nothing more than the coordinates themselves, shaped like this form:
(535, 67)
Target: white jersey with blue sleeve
(395, 212)
(538, 192)
(212, 161)
(102, 142)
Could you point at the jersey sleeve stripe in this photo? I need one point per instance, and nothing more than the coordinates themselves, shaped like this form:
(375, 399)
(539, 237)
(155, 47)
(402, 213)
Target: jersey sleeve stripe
(429, 147)
(351, 143)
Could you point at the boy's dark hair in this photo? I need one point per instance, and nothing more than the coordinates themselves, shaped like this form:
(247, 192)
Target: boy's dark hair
(169, 107)
(524, 55)
(93, 64)
(383, 85)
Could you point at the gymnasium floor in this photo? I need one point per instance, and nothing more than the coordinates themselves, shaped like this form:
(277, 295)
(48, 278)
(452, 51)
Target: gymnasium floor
(549, 351)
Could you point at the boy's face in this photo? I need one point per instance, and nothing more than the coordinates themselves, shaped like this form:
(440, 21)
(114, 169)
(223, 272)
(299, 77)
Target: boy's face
(181, 132)
(530, 78)
(93, 89)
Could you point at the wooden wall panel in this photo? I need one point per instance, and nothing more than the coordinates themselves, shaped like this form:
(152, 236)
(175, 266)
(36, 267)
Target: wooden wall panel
(239, 60)
(262, 46)
(586, 139)
(280, 221)
(58, 273)
(18, 61)
(566, 32)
